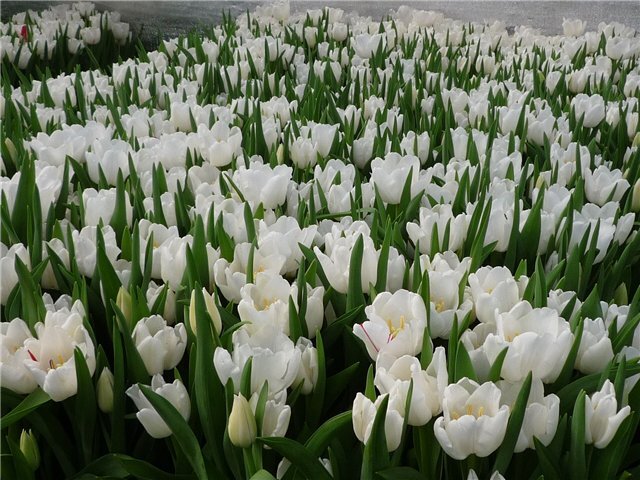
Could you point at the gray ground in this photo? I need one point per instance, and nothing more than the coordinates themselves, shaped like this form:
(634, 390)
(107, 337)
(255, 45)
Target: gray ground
(169, 18)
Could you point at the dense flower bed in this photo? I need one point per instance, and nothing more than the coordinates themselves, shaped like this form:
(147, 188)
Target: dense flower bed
(320, 246)
(61, 38)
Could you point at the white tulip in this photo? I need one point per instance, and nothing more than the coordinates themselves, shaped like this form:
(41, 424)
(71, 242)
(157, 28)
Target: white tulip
(364, 413)
(595, 349)
(592, 108)
(573, 28)
(493, 288)
(51, 354)
(7, 268)
(602, 417)
(160, 346)
(473, 420)
(395, 326)
(14, 374)
(275, 420)
(538, 339)
(275, 358)
(604, 185)
(428, 385)
(541, 414)
(175, 393)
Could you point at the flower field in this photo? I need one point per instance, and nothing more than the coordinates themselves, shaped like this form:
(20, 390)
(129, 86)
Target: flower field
(317, 245)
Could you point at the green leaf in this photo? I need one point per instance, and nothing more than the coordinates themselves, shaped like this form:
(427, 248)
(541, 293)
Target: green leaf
(26, 406)
(299, 456)
(400, 473)
(516, 417)
(355, 297)
(323, 435)
(262, 475)
(117, 465)
(206, 383)
(85, 401)
(496, 367)
(180, 429)
(577, 453)
(376, 455)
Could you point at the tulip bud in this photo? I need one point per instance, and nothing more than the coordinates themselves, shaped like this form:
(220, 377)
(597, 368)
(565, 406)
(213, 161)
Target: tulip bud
(29, 448)
(242, 423)
(635, 197)
(280, 154)
(212, 310)
(11, 148)
(123, 302)
(105, 391)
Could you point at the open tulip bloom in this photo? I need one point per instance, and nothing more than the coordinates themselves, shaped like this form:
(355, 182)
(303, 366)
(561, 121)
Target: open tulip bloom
(301, 243)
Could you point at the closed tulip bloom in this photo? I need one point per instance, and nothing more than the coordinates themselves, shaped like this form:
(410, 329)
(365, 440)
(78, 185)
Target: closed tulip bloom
(592, 108)
(275, 421)
(14, 375)
(175, 393)
(211, 308)
(493, 288)
(160, 346)
(603, 185)
(602, 418)
(364, 413)
(473, 423)
(539, 341)
(104, 391)
(595, 349)
(573, 28)
(242, 423)
(428, 385)
(541, 414)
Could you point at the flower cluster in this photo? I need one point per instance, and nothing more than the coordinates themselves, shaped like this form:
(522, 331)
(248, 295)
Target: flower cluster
(419, 229)
(59, 36)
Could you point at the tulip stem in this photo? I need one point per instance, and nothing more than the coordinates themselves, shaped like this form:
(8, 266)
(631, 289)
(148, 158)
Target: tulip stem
(249, 461)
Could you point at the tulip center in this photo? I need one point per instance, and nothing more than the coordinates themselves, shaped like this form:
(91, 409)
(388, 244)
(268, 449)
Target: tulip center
(469, 410)
(59, 361)
(393, 329)
(511, 336)
(267, 302)
(440, 306)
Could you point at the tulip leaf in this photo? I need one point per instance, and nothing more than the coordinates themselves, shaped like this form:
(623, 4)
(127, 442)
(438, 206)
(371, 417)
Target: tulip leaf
(85, 401)
(496, 368)
(376, 455)
(299, 456)
(577, 453)
(400, 473)
(569, 364)
(516, 417)
(206, 383)
(606, 463)
(323, 435)
(464, 366)
(262, 475)
(316, 400)
(355, 297)
(548, 464)
(26, 406)
(117, 465)
(184, 436)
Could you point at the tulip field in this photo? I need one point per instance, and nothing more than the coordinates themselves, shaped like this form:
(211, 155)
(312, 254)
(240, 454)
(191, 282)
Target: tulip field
(316, 245)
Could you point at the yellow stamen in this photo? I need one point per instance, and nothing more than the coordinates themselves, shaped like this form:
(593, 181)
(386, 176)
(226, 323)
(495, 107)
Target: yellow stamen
(469, 409)
(439, 306)
(393, 330)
